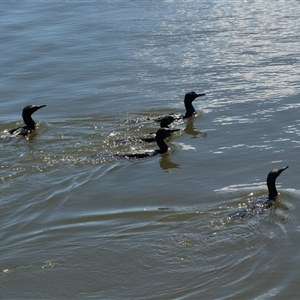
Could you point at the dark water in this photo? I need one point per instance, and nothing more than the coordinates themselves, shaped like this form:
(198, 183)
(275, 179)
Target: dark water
(77, 227)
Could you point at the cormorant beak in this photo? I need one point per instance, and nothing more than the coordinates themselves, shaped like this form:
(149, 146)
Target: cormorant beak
(282, 169)
(34, 108)
(165, 132)
(170, 131)
(173, 130)
(200, 95)
(39, 106)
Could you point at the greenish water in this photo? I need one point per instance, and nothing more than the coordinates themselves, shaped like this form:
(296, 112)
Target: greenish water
(73, 226)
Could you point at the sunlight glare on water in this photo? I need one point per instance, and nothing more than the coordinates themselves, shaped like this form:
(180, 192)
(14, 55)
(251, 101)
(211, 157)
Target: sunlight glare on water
(79, 223)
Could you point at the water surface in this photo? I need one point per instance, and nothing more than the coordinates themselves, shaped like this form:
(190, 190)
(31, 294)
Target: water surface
(78, 227)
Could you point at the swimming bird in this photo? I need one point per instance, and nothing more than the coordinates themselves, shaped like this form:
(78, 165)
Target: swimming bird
(259, 205)
(188, 104)
(188, 100)
(30, 124)
(151, 137)
(160, 135)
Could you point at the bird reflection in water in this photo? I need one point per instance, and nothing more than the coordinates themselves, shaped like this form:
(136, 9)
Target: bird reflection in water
(190, 129)
(166, 164)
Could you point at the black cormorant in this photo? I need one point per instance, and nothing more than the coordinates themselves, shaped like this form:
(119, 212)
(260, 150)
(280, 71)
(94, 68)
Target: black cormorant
(257, 206)
(189, 108)
(160, 135)
(188, 100)
(30, 124)
(151, 137)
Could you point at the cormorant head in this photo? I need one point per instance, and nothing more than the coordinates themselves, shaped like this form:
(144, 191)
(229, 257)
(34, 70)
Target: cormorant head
(27, 112)
(30, 109)
(274, 174)
(191, 96)
(166, 121)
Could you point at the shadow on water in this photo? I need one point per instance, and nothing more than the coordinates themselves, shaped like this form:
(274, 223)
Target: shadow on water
(165, 163)
(191, 130)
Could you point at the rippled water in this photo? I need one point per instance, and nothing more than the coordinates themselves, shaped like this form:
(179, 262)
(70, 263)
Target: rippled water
(78, 223)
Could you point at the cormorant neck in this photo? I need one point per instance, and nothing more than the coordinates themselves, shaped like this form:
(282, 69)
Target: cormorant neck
(28, 121)
(190, 110)
(272, 189)
(163, 147)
